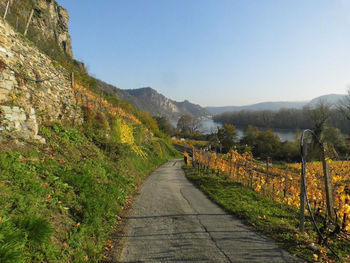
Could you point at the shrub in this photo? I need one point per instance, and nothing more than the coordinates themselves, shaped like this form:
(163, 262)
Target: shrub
(37, 230)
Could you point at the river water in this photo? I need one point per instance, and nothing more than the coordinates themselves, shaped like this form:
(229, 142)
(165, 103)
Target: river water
(209, 126)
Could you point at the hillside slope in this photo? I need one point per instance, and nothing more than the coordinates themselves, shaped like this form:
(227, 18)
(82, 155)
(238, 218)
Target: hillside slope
(69, 156)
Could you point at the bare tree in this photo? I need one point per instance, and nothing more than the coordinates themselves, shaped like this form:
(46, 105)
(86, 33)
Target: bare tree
(189, 125)
(344, 106)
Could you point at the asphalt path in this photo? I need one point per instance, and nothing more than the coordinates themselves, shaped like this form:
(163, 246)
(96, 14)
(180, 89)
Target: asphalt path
(172, 221)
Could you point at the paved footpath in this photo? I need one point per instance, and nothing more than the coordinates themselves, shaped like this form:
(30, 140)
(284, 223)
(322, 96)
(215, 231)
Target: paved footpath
(172, 221)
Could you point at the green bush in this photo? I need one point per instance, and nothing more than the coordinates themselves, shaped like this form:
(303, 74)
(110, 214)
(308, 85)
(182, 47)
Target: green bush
(11, 243)
(37, 230)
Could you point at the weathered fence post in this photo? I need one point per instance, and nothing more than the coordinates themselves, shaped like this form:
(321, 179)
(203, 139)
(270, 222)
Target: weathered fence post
(28, 22)
(73, 81)
(207, 161)
(285, 184)
(193, 157)
(347, 192)
(302, 187)
(328, 184)
(6, 9)
(267, 181)
(231, 164)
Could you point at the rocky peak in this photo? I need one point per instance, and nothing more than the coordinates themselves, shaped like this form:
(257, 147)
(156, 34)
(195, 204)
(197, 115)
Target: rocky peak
(49, 24)
(52, 20)
(148, 99)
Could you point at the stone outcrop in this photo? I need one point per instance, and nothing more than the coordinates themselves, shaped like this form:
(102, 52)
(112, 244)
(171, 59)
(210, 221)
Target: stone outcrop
(33, 88)
(148, 99)
(49, 25)
(51, 20)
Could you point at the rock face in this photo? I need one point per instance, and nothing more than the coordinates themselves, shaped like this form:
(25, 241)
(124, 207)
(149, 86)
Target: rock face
(148, 99)
(32, 89)
(52, 21)
(49, 25)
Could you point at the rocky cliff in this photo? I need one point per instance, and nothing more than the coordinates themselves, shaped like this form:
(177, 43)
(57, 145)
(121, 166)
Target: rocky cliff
(49, 26)
(148, 99)
(33, 89)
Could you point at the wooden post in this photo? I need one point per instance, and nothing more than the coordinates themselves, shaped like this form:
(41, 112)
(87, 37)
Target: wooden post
(328, 184)
(73, 80)
(28, 22)
(267, 173)
(251, 177)
(193, 156)
(207, 161)
(231, 164)
(302, 188)
(7, 9)
(285, 184)
(208, 170)
(347, 192)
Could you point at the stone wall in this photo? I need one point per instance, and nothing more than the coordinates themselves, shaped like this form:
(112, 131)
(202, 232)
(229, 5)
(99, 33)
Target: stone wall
(33, 88)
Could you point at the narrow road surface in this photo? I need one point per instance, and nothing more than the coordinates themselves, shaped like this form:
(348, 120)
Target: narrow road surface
(172, 221)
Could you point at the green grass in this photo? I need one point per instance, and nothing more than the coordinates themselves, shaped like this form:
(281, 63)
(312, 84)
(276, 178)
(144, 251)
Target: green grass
(59, 202)
(275, 220)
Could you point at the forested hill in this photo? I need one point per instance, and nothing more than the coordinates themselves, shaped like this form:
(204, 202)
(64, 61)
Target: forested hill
(283, 119)
(278, 105)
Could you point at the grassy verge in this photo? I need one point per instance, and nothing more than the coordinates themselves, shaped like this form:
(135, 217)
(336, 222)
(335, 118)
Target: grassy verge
(60, 201)
(278, 221)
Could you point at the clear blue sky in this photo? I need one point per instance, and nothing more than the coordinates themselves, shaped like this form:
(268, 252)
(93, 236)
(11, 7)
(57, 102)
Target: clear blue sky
(216, 52)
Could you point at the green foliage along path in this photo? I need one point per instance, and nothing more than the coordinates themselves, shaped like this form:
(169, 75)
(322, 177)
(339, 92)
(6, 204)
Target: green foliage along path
(59, 201)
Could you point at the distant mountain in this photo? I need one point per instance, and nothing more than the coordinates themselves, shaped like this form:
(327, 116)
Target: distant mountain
(259, 106)
(331, 99)
(148, 99)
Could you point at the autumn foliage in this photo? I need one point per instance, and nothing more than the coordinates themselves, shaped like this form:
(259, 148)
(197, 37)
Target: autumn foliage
(283, 185)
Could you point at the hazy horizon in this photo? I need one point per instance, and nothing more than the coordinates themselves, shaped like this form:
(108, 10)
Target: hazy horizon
(216, 52)
(296, 101)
